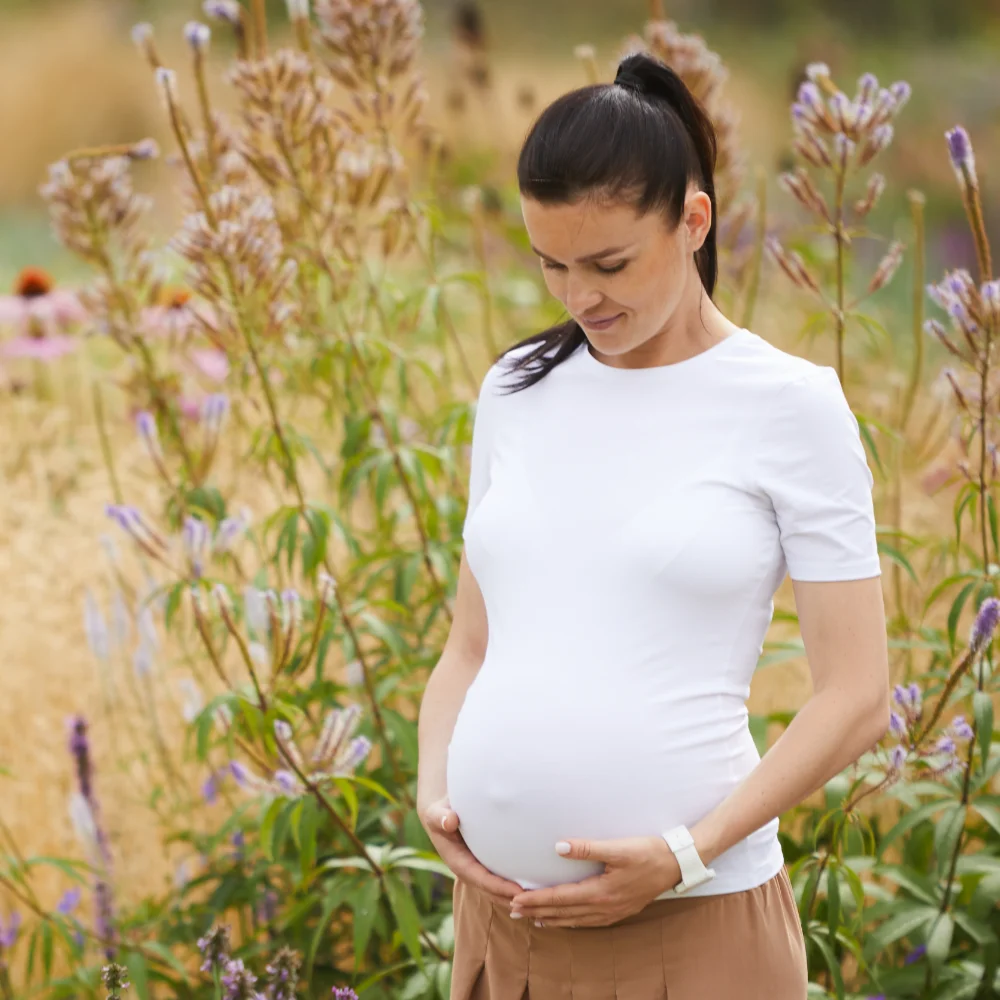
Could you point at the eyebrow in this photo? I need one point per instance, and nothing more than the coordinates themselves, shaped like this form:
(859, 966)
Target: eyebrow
(589, 257)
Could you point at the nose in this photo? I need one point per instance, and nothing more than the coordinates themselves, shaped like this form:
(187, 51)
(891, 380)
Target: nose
(580, 297)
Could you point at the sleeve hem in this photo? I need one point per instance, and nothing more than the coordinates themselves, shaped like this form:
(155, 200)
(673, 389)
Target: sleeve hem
(830, 574)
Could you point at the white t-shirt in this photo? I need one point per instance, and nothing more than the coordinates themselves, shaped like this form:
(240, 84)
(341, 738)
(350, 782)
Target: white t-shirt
(628, 529)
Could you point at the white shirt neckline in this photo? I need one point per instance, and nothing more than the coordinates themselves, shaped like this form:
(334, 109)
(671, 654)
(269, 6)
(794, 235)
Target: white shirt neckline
(661, 371)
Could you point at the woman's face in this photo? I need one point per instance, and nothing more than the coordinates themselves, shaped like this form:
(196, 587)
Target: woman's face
(621, 276)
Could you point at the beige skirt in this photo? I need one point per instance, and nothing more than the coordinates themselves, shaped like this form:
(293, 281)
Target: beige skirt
(734, 946)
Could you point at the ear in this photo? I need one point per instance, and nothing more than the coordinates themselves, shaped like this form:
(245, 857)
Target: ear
(697, 218)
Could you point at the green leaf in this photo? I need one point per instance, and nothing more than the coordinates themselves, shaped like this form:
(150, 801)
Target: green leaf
(267, 827)
(47, 941)
(990, 813)
(982, 710)
(425, 864)
(911, 819)
(992, 511)
(939, 941)
(896, 927)
(832, 901)
(956, 611)
(831, 963)
(168, 958)
(442, 979)
(334, 897)
(979, 931)
(365, 907)
(351, 797)
(897, 557)
(947, 834)
(138, 974)
(406, 914)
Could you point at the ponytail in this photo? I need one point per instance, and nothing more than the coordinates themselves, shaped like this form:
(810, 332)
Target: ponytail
(653, 80)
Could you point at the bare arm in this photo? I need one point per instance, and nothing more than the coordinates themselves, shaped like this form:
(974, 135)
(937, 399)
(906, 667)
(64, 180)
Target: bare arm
(455, 671)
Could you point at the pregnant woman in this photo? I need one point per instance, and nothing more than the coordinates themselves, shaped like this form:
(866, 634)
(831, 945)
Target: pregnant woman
(643, 475)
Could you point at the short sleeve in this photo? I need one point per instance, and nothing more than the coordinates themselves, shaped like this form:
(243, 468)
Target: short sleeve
(482, 443)
(812, 465)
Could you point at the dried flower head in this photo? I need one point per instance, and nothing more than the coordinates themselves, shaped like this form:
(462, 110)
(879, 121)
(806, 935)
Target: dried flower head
(115, 979)
(214, 948)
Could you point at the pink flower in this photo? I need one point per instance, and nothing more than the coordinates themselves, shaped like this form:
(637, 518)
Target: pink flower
(211, 362)
(175, 316)
(39, 348)
(37, 306)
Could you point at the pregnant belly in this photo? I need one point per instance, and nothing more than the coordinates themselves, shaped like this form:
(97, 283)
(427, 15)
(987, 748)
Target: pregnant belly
(521, 777)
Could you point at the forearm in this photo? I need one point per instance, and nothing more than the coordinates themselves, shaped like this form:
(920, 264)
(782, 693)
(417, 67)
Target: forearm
(827, 734)
(442, 699)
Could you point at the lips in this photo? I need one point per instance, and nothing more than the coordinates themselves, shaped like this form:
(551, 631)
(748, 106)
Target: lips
(601, 323)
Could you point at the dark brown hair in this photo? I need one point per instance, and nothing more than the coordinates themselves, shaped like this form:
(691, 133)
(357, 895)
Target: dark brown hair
(641, 139)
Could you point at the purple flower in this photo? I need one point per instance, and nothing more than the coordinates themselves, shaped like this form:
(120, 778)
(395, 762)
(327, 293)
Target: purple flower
(197, 35)
(945, 745)
(985, 625)
(223, 10)
(238, 981)
(344, 993)
(39, 348)
(145, 424)
(961, 729)
(210, 789)
(267, 907)
(214, 948)
(238, 841)
(69, 901)
(214, 411)
(239, 772)
(287, 782)
(897, 724)
(914, 955)
(960, 151)
(898, 757)
(914, 692)
(901, 91)
(283, 974)
(8, 934)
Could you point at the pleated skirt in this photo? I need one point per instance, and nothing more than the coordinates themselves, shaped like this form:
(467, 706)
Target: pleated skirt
(733, 946)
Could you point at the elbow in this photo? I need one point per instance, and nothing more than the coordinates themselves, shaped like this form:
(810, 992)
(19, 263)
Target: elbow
(879, 717)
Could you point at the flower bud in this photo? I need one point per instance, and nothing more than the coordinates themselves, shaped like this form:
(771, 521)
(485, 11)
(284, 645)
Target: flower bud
(197, 35)
(874, 190)
(887, 267)
(963, 160)
(145, 423)
(166, 82)
(875, 143)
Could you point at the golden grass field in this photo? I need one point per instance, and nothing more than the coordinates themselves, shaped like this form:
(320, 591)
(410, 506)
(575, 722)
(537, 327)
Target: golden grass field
(81, 83)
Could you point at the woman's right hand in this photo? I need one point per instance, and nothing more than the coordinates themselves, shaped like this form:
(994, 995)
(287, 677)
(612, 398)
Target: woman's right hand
(441, 823)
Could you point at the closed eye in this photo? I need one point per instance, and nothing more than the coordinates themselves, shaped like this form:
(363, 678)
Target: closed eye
(551, 266)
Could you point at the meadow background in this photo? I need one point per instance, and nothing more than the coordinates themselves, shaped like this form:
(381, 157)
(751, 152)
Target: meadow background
(72, 77)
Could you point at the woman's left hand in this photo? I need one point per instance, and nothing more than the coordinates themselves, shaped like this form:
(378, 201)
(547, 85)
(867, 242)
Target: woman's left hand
(636, 871)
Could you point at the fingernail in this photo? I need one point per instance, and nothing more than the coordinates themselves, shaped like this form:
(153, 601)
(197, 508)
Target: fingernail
(514, 915)
(443, 827)
(562, 847)
(538, 923)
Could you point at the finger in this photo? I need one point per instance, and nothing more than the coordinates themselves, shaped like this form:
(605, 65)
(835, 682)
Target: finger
(572, 894)
(594, 920)
(562, 913)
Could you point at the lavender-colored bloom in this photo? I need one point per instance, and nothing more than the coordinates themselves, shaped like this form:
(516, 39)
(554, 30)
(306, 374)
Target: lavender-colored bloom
(214, 948)
(8, 934)
(267, 907)
(962, 158)
(238, 840)
(867, 86)
(283, 974)
(961, 729)
(897, 757)
(240, 774)
(901, 92)
(144, 149)
(990, 293)
(840, 106)
(288, 783)
(210, 789)
(214, 411)
(195, 537)
(901, 695)
(810, 99)
(915, 696)
(238, 981)
(985, 625)
(69, 901)
(916, 954)
(145, 424)
(291, 609)
(945, 745)
(142, 33)
(222, 10)
(356, 753)
(344, 993)
(197, 35)
(125, 516)
(897, 724)
(230, 529)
